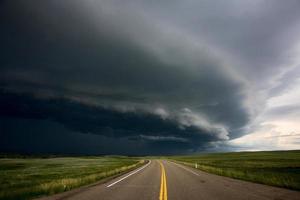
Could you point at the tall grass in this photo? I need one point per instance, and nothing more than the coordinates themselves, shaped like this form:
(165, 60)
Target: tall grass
(28, 178)
(278, 168)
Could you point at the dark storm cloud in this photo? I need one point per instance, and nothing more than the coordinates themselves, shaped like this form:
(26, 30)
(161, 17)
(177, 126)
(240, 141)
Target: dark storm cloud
(45, 136)
(140, 71)
(129, 127)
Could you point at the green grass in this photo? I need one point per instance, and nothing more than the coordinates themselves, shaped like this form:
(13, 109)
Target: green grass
(276, 168)
(26, 178)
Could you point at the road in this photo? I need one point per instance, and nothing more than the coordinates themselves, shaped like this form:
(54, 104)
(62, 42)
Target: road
(162, 180)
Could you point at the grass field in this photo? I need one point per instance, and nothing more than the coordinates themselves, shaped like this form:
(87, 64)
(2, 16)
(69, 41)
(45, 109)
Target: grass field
(25, 178)
(277, 168)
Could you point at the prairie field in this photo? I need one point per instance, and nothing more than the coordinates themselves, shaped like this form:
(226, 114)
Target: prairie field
(31, 177)
(26, 178)
(276, 168)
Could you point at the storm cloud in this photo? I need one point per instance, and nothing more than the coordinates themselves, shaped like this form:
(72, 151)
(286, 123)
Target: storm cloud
(169, 77)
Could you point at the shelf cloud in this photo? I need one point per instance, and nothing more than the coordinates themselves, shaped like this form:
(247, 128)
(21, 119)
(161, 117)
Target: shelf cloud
(168, 77)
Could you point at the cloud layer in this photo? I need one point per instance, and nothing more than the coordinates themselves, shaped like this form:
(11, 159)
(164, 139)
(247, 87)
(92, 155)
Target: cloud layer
(170, 77)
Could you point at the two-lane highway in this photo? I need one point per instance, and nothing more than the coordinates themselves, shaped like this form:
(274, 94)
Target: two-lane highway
(162, 180)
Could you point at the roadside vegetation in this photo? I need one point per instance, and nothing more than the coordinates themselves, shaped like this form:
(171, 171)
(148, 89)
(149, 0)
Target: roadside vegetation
(276, 168)
(26, 178)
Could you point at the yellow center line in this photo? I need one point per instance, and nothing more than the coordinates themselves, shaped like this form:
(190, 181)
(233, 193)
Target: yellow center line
(163, 195)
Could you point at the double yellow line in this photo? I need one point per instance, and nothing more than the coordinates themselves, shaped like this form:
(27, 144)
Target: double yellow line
(163, 195)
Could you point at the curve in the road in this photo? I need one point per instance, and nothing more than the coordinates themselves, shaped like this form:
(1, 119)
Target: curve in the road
(134, 172)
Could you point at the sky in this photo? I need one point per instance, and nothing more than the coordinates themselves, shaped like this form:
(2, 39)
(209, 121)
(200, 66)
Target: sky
(146, 77)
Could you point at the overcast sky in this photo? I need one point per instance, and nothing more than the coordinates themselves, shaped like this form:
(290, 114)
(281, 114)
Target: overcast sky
(149, 77)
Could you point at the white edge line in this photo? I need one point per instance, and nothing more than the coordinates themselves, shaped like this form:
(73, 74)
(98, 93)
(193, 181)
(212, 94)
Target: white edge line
(186, 169)
(128, 175)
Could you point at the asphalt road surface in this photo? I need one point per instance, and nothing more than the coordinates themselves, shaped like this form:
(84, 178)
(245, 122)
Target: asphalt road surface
(162, 180)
